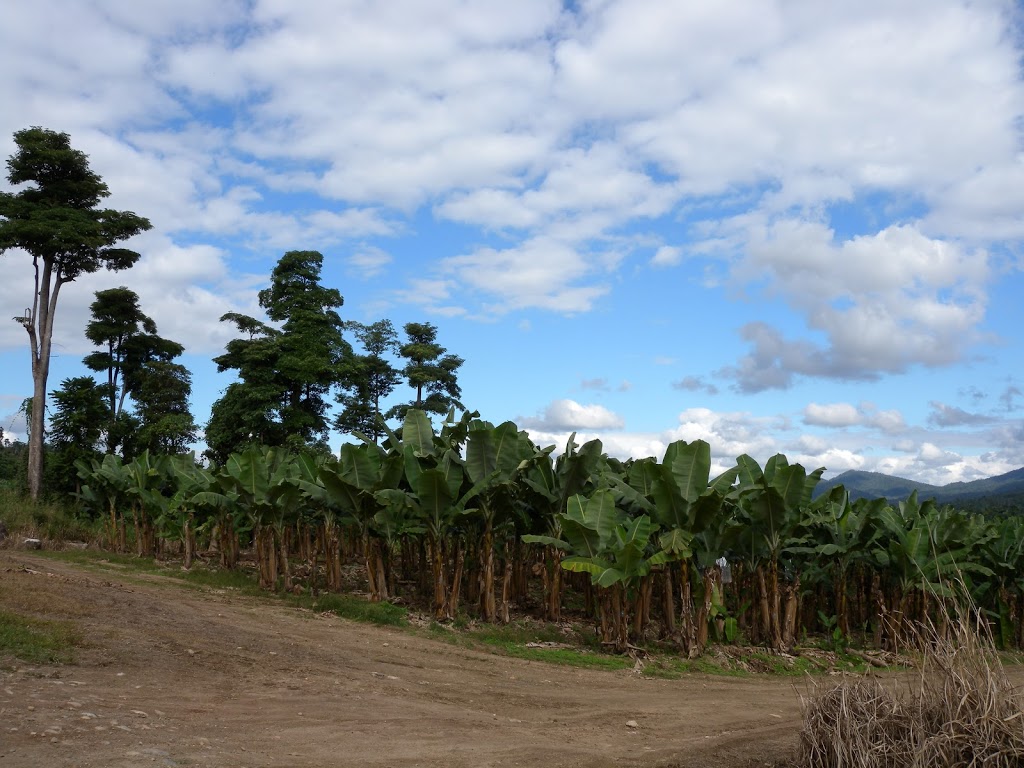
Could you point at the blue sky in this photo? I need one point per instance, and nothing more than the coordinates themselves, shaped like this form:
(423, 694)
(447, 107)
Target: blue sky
(780, 227)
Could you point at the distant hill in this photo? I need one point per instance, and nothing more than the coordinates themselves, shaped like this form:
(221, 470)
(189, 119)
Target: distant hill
(875, 485)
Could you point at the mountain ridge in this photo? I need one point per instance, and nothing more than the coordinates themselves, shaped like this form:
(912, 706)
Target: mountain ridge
(875, 485)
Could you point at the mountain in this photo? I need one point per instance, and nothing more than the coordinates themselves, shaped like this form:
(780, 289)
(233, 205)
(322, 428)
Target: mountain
(874, 485)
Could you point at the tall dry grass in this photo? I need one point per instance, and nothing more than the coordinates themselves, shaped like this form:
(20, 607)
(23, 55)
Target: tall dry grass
(958, 709)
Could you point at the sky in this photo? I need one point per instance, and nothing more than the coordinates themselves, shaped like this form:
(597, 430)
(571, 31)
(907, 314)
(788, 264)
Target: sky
(781, 227)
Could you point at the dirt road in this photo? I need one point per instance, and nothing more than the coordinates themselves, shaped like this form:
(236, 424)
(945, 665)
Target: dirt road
(178, 677)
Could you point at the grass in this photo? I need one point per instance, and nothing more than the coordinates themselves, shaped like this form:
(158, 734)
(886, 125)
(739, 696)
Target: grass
(514, 639)
(36, 641)
(25, 518)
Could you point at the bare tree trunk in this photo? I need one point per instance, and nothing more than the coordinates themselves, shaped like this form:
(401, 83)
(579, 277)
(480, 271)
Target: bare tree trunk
(39, 326)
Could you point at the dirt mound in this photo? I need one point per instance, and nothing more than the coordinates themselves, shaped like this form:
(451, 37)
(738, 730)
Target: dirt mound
(171, 676)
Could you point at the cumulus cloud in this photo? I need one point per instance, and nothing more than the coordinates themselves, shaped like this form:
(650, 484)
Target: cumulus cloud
(568, 415)
(832, 415)
(540, 273)
(185, 289)
(931, 454)
(884, 303)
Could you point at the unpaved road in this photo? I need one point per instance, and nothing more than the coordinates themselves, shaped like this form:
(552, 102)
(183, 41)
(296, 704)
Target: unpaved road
(178, 677)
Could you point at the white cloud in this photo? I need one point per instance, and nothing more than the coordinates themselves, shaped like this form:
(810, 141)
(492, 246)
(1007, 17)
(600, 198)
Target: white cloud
(539, 273)
(568, 415)
(667, 256)
(369, 261)
(884, 302)
(832, 415)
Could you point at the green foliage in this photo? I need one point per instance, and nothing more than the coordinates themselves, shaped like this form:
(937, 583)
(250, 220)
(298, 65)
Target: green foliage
(80, 419)
(368, 379)
(286, 373)
(55, 219)
(429, 371)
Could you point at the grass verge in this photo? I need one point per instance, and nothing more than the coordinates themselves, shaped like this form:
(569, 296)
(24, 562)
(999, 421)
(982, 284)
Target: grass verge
(36, 641)
(25, 518)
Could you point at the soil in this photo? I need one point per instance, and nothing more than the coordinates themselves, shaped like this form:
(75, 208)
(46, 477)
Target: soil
(174, 676)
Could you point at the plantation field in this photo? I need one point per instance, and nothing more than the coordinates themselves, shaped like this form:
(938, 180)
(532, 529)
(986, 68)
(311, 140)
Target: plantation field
(169, 674)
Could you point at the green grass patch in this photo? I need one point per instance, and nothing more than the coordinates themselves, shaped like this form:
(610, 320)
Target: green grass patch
(675, 667)
(514, 639)
(36, 641)
(50, 520)
(357, 609)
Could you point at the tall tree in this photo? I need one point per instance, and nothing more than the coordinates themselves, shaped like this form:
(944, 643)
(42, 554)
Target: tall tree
(429, 371)
(370, 378)
(286, 373)
(128, 341)
(161, 392)
(57, 221)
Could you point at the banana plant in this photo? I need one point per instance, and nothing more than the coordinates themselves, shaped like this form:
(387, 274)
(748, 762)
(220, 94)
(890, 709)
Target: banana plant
(615, 550)
(688, 505)
(772, 506)
(178, 501)
(842, 533)
(494, 458)
(926, 550)
(546, 489)
(106, 484)
(265, 483)
(347, 490)
(144, 477)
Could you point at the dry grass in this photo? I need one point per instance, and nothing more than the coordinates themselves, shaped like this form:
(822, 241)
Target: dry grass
(958, 710)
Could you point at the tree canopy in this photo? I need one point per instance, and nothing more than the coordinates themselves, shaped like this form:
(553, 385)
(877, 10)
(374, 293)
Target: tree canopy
(285, 373)
(429, 371)
(55, 218)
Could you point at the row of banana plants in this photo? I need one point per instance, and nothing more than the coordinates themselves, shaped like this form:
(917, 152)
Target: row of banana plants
(476, 518)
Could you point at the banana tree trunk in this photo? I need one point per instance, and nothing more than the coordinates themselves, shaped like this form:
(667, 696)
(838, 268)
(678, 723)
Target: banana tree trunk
(488, 608)
(553, 593)
(686, 618)
(711, 581)
(188, 539)
(504, 613)
(456, 582)
(370, 558)
(791, 610)
(441, 604)
(668, 605)
(284, 564)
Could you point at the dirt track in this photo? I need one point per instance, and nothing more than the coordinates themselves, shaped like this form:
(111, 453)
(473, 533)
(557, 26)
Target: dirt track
(178, 677)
